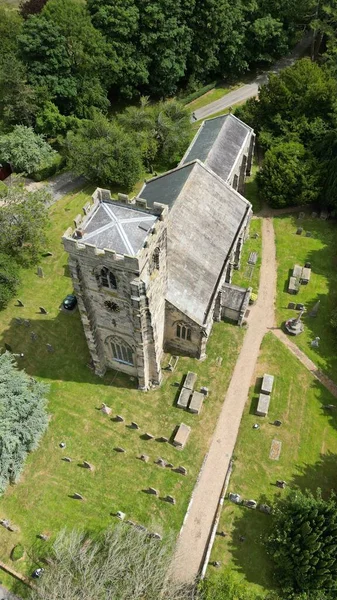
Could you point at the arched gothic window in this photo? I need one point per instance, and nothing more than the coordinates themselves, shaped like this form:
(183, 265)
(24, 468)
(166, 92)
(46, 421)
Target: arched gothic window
(107, 279)
(183, 332)
(121, 351)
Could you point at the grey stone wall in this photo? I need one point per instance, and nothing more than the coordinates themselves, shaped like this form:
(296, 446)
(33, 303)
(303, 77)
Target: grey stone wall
(176, 345)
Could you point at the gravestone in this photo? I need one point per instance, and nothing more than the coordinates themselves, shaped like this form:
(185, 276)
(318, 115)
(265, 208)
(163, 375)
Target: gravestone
(267, 384)
(87, 465)
(196, 403)
(33, 336)
(184, 398)
(26, 322)
(250, 503)
(43, 310)
(256, 426)
(219, 361)
(77, 496)
(190, 380)
(170, 499)
(156, 536)
(160, 462)
(275, 450)
(252, 259)
(236, 498)
(120, 515)
(277, 423)
(301, 215)
(106, 410)
(118, 418)
(169, 465)
(313, 215)
(204, 390)
(291, 305)
(263, 405)
(134, 425)
(8, 347)
(43, 536)
(40, 272)
(67, 459)
(181, 436)
(20, 303)
(153, 491)
(329, 407)
(18, 321)
(299, 231)
(119, 449)
(62, 444)
(265, 508)
(50, 348)
(255, 236)
(315, 342)
(181, 470)
(216, 563)
(308, 234)
(300, 307)
(48, 253)
(281, 484)
(130, 522)
(148, 436)
(144, 458)
(162, 439)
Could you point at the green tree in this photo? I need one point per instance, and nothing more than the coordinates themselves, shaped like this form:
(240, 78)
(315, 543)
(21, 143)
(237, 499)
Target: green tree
(140, 123)
(10, 27)
(49, 120)
(289, 176)
(104, 153)
(266, 38)
(172, 130)
(25, 150)
(9, 278)
(303, 543)
(23, 222)
(23, 418)
(17, 97)
(121, 563)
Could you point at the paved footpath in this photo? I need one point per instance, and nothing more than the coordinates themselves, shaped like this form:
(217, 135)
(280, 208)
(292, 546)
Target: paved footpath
(307, 362)
(192, 542)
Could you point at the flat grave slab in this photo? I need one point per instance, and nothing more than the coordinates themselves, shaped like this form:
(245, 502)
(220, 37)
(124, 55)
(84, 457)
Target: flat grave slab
(275, 450)
(297, 271)
(263, 405)
(184, 398)
(267, 384)
(181, 436)
(293, 285)
(306, 274)
(196, 402)
(190, 380)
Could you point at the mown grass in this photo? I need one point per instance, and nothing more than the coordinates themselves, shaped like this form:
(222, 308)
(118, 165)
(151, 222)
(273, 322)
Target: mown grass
(308, 460)
(321, 251)
(41, 501)
(218, 92)
(248, 276)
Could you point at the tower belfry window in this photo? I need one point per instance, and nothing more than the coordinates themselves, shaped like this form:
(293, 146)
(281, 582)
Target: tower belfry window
(108, 280)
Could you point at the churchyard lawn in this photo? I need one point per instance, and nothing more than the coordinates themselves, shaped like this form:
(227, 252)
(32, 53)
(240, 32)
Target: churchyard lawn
(41, 502)
(249, 275)
(321, 251)
(307, 460)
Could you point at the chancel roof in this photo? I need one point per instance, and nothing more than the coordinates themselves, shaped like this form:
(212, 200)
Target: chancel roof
(117, 228)
(218, 144)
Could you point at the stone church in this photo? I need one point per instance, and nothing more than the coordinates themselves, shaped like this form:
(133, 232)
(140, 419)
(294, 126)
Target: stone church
(152, 273)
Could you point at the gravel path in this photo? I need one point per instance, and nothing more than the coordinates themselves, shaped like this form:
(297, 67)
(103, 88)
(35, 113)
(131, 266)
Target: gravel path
(307, 362)
(192, 542)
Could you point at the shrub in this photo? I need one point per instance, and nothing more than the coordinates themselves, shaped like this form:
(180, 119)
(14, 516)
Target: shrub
(198, 93)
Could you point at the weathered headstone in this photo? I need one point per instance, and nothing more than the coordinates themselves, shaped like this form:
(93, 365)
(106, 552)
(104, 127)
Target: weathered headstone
(48, 253)
(26, 322)
(301, 215)
(77, 496)
(236, 498)
(329, 407)
(216, 563)
(18, 321)
(148, 436)
(281, 484)
(313, 215)
(118, 418)
(300, 307)
(20, 303)
(170, 499)
(315, 342)
(67, 459)
(252, 259)
(299, 231)
(134, 425)
(250, 503)
(169, 465)
(144, 458)
(264, 508)
(33, 336)
(62, 444)
(275, 450)
(43, 536)
(256, 426)
(182, 435)
(156, 536)
(204, 390)
(119, 449)
(181, 470)
(153, 491)
(162, 439)
(277, 423)
(50, 348)
(120, 515)
(308, 234)
(43, 310)
(219, 361)
(40, 272)
(160, 462)
(291, 305)
(8, 347)
(106, 409)
(87, 465)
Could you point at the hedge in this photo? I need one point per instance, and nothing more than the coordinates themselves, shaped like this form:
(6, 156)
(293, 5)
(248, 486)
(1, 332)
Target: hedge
(45, 172)
(198, 93)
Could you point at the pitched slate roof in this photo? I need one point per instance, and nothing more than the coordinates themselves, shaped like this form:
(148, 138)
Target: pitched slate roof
(118, 228)
(218, 144)
(204, 222)
(165, 188)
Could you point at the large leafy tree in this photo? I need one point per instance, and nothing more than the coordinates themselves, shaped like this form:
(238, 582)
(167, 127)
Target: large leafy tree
(289, 176)
(9, 278)
(23, 418)
(303, 543)
(104, 153)
(172, 130)
(17, 97)
(23, 222)
(25, 150)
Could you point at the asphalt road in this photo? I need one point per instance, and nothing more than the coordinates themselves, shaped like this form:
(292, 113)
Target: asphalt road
(251, 90)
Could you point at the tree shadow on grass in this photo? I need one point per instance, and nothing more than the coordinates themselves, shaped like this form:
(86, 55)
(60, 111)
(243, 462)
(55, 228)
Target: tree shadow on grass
(322, 474)
(69, 360)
